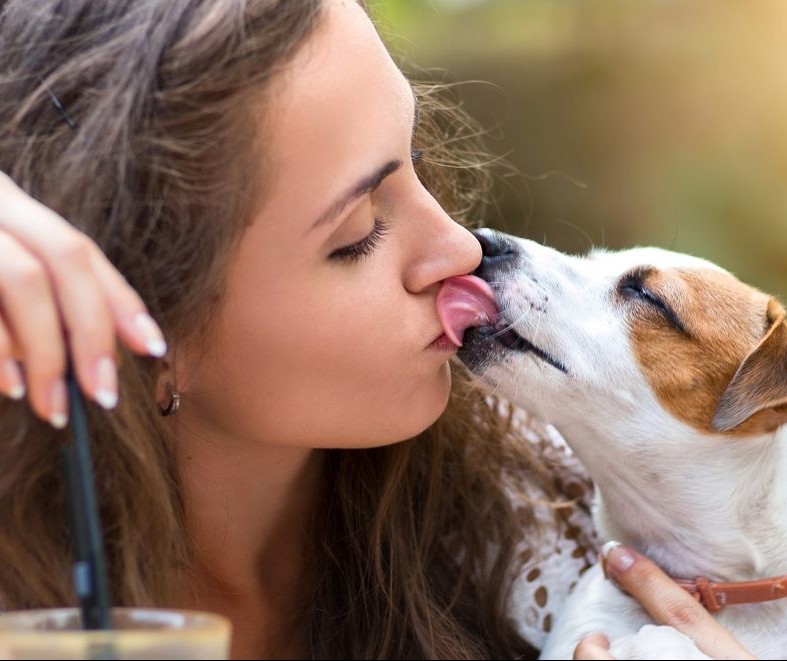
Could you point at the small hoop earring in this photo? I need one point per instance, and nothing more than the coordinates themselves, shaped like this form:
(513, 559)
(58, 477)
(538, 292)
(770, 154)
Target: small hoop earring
(173, 404)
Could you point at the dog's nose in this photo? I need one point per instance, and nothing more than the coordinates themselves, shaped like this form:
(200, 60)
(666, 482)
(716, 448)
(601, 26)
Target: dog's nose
(494, 245)
(497, 249)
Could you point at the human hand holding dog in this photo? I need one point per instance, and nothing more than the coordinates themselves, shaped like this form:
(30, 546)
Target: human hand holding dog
(667, 603)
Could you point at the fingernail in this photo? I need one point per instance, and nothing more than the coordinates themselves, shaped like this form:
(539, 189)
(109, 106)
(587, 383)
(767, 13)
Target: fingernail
(106, 391)
(59, 416)
(599, 640)
(13, 378)
(616, 557)
(154, 340)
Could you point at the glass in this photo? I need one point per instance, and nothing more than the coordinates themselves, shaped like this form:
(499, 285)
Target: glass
(137, 633)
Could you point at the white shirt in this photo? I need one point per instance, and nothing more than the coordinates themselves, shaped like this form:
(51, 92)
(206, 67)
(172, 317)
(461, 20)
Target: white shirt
(562, 544)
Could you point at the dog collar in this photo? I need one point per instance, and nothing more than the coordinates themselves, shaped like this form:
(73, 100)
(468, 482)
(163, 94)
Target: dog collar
(714, 596)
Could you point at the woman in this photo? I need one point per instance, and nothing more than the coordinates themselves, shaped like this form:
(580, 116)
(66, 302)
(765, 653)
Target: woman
(253, 170)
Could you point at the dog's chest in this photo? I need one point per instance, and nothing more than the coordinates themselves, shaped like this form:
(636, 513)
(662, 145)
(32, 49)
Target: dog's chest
(596, 605)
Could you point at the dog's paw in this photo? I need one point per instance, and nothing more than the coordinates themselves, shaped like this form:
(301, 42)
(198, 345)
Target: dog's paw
(656, 642)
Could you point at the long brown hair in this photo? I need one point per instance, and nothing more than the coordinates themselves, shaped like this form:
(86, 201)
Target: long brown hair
(147, 156)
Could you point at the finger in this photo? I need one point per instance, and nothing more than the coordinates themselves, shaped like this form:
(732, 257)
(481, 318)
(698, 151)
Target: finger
(593, 646)
(49, 236)
(80, 309)
(86, 319)
(668, 603)
(35, 330)
(12, 383)
(135, 326)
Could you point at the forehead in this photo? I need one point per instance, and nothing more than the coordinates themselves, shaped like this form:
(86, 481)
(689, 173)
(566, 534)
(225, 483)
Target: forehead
(343, 65)
(618, 262)
(710, 299)
(337, 111)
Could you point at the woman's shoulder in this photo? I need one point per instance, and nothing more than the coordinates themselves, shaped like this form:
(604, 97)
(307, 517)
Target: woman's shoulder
(558, 542)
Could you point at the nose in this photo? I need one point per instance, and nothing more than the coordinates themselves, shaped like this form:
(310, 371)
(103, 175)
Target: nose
(438, 247)
(442, 250)
(497, 249)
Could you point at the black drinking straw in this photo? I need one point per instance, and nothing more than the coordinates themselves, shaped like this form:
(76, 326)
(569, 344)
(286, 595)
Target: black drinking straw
(90, 566)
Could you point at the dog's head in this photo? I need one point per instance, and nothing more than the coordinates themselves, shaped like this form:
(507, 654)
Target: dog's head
(625, 331)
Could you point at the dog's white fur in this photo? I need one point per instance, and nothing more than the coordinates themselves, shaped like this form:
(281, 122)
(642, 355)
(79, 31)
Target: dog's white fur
(698, 503)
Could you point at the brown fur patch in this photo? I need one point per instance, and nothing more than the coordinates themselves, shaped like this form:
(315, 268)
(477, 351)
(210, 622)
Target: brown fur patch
(724, 319)
(760, 384)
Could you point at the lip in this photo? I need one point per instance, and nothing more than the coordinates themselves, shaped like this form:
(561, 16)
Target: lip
(506, 336)
(443, 344)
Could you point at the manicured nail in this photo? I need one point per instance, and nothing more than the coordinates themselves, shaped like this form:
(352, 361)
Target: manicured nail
(617, 557)
(59, 401)
(106, 391)
(597, 641)
(13, 378)
(151, 333)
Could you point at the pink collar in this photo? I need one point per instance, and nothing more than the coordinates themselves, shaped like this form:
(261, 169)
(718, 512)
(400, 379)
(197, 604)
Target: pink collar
(714, 596)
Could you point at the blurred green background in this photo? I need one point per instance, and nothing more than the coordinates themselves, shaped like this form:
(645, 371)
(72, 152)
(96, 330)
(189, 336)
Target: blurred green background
(629, 122)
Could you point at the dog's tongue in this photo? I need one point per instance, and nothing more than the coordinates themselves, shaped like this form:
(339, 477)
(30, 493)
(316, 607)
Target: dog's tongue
(465, 301)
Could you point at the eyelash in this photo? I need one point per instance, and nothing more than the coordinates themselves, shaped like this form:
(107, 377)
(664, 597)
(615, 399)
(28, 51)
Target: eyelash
(357, 251)
(364, 247)
(632, 287)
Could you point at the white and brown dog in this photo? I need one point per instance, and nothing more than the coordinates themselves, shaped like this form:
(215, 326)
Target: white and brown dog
(668, 378)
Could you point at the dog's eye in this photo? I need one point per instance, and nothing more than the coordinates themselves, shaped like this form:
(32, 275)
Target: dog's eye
(633, 288)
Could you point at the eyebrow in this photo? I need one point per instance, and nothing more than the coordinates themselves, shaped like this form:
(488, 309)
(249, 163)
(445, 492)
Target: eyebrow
(367, 185)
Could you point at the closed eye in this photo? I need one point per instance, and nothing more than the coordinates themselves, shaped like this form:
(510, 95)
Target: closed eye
(632, 287)
(357, 251)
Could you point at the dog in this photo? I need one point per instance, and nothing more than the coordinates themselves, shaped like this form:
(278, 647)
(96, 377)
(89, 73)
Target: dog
(667, 376)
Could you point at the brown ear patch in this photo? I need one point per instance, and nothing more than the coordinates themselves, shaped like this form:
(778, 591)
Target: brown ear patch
(760, 383)
(689, 372)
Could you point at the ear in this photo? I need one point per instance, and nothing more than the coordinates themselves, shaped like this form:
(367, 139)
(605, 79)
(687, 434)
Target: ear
(760, 383)
(165, 381)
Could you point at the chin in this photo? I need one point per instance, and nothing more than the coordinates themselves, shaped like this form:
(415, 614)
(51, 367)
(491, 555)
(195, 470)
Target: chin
(436, 401)
(425, 406)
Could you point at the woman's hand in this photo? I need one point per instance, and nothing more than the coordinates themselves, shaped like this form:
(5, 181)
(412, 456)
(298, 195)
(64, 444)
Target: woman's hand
(667, 603)
(56, 283)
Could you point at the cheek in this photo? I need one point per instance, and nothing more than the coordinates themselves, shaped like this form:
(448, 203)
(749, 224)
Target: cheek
(323, 366)
(688, 377)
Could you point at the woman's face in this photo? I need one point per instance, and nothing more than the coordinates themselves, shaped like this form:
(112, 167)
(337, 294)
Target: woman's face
(326, 336)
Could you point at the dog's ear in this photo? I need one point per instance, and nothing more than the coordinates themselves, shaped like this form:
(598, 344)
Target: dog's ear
(760, 383)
